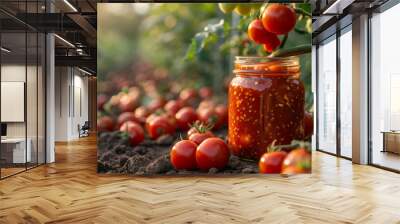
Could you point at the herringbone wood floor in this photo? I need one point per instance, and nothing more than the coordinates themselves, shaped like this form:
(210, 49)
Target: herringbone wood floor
(70, 191)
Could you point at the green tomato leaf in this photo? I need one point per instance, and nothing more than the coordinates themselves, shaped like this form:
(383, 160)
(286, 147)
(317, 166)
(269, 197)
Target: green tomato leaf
(191, 52)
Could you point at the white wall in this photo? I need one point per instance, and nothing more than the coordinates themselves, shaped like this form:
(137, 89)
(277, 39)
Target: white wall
(33, 127)
(61, 103)
(16, 73)
(71, 93)
(12, 73)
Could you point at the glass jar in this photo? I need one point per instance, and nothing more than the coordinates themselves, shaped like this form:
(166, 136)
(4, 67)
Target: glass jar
(266, 104)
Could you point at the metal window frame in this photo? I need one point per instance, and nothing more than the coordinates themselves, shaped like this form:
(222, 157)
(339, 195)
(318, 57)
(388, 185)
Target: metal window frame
(386, 6)
(389, 4)
(339, 32)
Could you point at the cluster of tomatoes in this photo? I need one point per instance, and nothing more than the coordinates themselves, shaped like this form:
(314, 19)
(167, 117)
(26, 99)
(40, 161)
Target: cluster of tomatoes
(159, 117)
(201, 150)
(276, 19)
(194, 112)
(297, 160)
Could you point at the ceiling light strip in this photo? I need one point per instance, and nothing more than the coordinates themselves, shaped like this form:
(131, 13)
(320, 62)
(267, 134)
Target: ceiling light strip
(5, 49)
(70, 5)
(84, 71)
(337, 7)
(64, 40)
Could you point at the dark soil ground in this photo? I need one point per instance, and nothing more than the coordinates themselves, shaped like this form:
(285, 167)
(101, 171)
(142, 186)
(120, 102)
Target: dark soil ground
(151, 157)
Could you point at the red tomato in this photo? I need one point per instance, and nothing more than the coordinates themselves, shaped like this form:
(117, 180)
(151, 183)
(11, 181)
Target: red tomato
(172, 106)
(205, 92)
(271, 162)
(134, 131)
(171, 119)
(297, 160)
(183, 155)
(188, 95)
(308, 125)
(101, 100)
(158, 126)
(105, 123)
(205, 104)
(212, 152)
(258, 34)
(191, 131)
(127, 116)
(272, 44)
(141, 113)
(198, 127)
(294, 170)
(210, 116)
(149, 119)
(127, 103)
(115, 99)
(222, 112)
(279, 19)
(200, 137)
(156, 104)
(185, 117)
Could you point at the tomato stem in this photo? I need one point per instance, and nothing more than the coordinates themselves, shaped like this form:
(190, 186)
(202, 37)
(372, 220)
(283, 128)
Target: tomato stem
(300, 31)
(283, 41)
(302, 49)
(247, 160)
(302, 12)
(202, 127)
(261, 11)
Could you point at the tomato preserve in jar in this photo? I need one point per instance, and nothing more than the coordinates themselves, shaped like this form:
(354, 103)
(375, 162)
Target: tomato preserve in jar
(266, 104)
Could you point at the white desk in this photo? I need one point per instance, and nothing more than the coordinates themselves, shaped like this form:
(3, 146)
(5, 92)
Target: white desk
(19, 149)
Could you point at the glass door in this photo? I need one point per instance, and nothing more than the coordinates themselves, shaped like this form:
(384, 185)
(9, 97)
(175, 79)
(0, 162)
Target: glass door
(327, 96)
(385, 89)
(14, 153)
(22, 90)
(346, 95)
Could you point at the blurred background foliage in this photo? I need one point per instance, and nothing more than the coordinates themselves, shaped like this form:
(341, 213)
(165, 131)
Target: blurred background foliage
(181, 45)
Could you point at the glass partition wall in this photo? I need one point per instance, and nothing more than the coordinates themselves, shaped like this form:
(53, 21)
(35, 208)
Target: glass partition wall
(385, 90)
(22, 98)
(334, 86)
(346, 95)
(327, 96)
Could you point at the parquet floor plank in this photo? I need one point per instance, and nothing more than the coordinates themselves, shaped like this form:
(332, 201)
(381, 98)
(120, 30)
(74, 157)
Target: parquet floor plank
(70, 191)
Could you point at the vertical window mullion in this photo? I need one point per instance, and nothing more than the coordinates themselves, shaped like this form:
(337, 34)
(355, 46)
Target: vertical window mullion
(369, 73)
(316, 97)
(26, 87)
(37, 90)
(338, 74)
(0, 91)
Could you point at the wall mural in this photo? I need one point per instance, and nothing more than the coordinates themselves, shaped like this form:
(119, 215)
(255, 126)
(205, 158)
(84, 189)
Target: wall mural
(204, 88)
